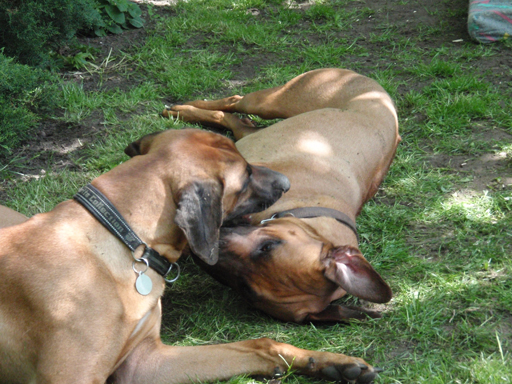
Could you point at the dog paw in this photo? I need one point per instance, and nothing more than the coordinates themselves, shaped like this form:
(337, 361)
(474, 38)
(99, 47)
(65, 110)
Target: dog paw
(168, 111)
(248, 122)
(351, 373)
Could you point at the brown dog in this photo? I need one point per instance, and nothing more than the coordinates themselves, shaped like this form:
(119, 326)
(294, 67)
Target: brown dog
(70, 307)
(336, 144)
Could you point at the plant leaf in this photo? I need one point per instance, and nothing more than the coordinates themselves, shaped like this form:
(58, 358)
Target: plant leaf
(100, 32)
(137, 22)
(114, 14)
(134, 10)
(122, 5)
(115, 28)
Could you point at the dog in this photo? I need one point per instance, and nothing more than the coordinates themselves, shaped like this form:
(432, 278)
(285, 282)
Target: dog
(79, 306)
(336, 144)
(10, 217)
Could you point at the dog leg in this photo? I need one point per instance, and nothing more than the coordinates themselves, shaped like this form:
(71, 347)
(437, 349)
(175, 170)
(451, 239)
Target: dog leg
(267, 104)
(212, 118)
(154, 362)
(321, 88)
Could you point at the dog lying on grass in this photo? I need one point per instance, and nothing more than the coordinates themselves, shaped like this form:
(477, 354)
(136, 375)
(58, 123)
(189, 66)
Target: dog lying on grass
(336, 144)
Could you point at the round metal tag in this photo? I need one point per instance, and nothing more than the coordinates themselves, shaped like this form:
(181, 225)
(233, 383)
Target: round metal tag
(143, 284)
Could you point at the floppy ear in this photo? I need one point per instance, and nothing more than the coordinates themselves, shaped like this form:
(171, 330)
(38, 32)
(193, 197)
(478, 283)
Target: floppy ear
(347, 267)
(141, 146)
(133, 149)
(199, 215)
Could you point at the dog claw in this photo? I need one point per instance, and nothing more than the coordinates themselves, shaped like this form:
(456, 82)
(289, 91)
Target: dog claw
(278, 372)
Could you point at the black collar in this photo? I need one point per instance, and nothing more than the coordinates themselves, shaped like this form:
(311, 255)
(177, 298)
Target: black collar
(105, 212)
(312, 212)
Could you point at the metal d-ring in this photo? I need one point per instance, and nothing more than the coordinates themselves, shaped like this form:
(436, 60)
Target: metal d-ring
(270, 219)
(143, 251)
(141, 260)
(274, 216)
(169, 271)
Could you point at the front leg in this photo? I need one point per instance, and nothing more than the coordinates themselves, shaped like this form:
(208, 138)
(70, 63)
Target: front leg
(154, 362)
(213, 118)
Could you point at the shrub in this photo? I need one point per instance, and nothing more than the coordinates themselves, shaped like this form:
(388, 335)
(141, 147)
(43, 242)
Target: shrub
(25, 95)
(31, 30)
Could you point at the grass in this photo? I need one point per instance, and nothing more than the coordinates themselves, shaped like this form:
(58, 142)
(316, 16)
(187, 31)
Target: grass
(438, 233)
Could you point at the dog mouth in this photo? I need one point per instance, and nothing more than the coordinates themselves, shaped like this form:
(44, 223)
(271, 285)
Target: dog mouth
(245, 218)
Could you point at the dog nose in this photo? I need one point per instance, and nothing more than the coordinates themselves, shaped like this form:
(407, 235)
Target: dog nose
(276, 180)
(282, 183)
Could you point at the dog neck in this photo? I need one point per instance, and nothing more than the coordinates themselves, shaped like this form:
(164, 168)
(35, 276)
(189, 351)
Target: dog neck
(333, 231)
(315, 212)
(147, 204)
(107, 214)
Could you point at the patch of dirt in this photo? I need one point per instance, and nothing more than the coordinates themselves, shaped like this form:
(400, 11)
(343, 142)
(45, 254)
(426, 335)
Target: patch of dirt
(58, 144)
(487, 172)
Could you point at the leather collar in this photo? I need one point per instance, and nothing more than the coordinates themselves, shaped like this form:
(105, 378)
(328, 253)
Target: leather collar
(105, 212)
(312, 212)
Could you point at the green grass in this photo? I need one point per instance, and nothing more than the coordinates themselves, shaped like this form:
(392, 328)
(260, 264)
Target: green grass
(441, 235)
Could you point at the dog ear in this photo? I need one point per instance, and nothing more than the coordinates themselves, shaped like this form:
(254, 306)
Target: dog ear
(199, 215)
(347, 267)
(133, 149)
(141, 146)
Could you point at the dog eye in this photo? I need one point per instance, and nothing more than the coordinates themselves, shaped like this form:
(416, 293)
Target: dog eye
(264, 249)
(267, 247)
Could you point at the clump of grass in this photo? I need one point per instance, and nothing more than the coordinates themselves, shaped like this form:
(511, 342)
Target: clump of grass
(26, 94)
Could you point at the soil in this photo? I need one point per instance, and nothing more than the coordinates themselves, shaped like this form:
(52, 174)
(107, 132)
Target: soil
(57, 144)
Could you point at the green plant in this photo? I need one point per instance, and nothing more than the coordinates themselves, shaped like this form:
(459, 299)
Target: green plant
(32, 30)
(80, 57)
(118, 15)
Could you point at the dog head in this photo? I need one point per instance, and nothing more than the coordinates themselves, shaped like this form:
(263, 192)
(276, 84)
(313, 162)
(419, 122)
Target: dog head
(286, 269)
(210, 182)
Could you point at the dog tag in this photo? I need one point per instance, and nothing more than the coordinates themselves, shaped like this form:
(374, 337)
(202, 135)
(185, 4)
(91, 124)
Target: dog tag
(143, 284)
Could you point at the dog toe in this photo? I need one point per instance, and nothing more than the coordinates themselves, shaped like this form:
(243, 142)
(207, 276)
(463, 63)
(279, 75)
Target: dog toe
(367, 377)
(332, 373)
(351, 373)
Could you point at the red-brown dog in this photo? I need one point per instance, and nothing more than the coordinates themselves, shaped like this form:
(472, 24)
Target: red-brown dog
(71, 309)
(336, 144)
